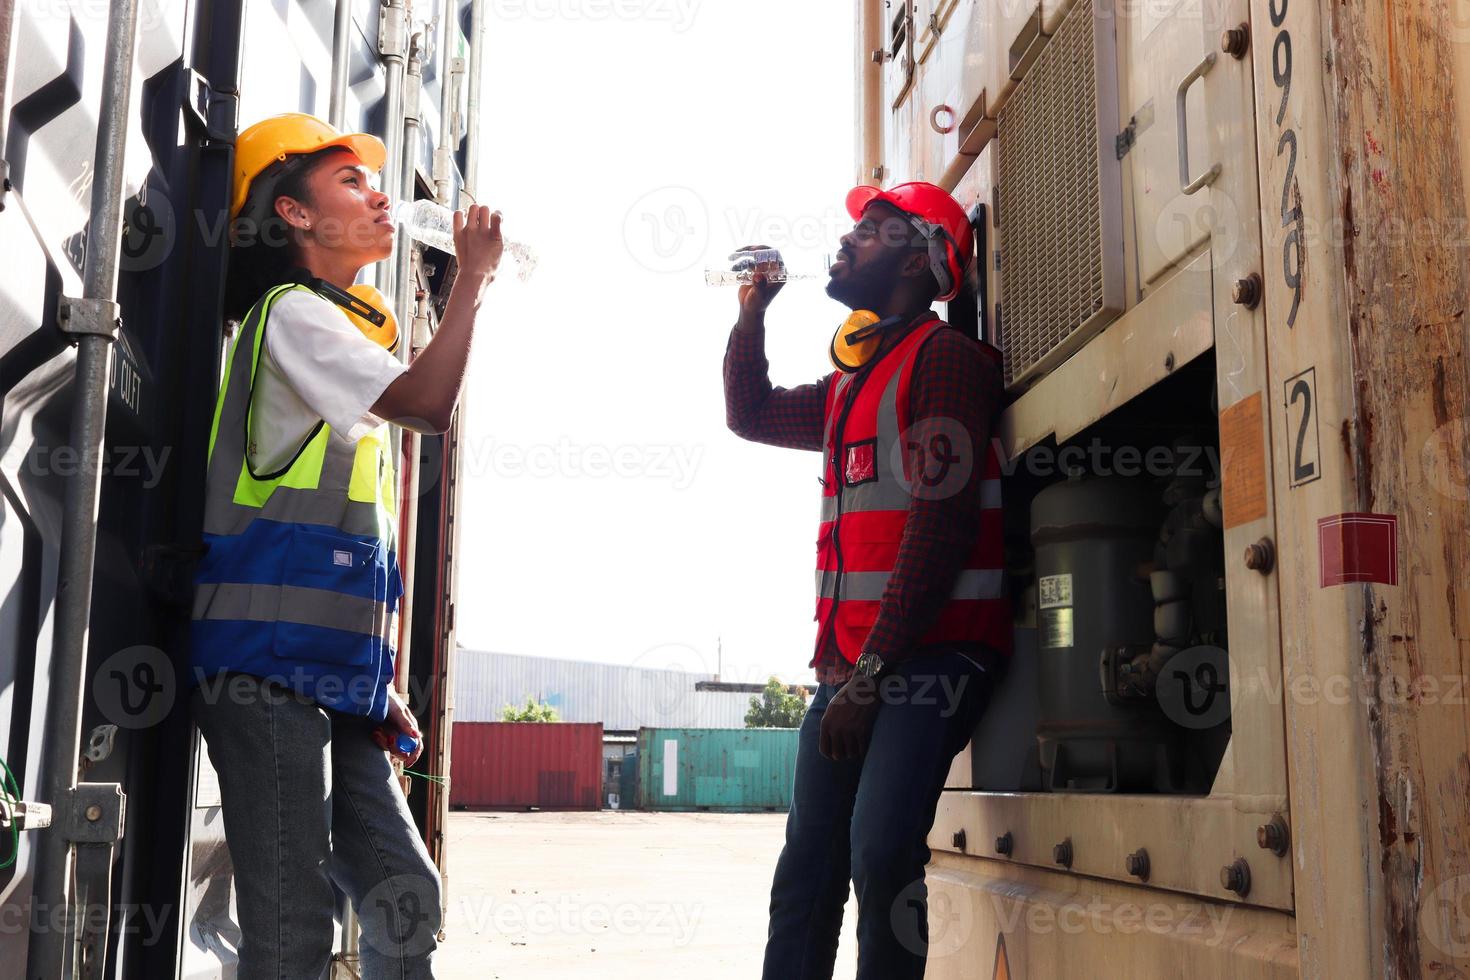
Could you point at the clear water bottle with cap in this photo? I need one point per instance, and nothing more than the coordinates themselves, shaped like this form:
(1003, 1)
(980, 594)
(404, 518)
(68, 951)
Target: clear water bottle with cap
(433, 224)
(744, 265)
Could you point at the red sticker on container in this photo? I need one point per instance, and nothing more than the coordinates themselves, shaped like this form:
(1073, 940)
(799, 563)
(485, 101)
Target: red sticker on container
(1359, 548)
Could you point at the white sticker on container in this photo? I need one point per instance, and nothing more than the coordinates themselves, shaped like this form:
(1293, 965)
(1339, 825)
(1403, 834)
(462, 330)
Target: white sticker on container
(671, 767)
(1055, 591)
(1056, 629)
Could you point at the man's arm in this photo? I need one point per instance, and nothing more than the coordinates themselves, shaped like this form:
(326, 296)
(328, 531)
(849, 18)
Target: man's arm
(955, 399)
(760, 412)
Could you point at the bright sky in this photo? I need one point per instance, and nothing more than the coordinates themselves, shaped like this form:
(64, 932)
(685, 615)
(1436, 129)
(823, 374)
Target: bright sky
(608, 513)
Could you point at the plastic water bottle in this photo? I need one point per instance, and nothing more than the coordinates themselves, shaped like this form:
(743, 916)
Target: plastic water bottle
(743, 266)
(433, 224)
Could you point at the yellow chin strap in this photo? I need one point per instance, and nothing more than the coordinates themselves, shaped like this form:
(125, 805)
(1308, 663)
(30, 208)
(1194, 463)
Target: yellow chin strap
(856, 341)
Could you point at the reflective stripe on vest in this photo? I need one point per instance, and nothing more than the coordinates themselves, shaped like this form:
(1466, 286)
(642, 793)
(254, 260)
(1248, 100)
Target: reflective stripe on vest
(863, 515)
(300, 578)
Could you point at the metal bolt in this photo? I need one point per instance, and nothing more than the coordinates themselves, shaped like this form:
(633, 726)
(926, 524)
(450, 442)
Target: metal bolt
(1236, 877)
(878, 55)
(1005, 844)
(1137, 863)
(1247, 292)
(1261, 556)
(1062, 853)
(1274, 836)
(94, 813)
(959, 839)
(1169, 361)
(1236, 41)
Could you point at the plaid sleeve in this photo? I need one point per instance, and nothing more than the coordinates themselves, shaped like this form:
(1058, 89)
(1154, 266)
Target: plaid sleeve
(955, 400)
(755, 410)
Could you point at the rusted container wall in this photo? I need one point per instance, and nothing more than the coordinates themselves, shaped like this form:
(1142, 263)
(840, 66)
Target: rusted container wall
(519, 765)
(729, 769)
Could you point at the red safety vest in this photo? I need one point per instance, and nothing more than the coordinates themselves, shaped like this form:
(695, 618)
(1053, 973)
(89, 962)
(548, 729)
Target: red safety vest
(863, 515)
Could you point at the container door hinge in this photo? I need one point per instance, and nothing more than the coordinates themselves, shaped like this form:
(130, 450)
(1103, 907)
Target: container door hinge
(393, 30)
(1137, 123)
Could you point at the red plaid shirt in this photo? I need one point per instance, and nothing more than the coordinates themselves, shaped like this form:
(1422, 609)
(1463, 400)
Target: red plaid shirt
(953, 379)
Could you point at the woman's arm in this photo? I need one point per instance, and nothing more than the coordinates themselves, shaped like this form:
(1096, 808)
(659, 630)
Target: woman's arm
(424, 396)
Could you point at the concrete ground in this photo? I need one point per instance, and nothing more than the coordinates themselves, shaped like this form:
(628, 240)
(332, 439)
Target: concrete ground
(615, 895)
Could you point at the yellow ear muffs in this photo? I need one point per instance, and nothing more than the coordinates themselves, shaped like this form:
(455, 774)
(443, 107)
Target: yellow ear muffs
(856, 341)
(367, 308)
(373, 315)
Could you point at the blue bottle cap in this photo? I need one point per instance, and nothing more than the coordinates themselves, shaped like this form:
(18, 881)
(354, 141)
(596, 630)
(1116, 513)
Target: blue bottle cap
(406, 744)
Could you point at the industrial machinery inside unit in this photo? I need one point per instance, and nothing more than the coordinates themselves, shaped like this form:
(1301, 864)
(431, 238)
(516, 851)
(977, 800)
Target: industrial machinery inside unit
(1097, 256)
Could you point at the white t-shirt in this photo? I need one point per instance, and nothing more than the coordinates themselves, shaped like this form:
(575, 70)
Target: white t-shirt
(316, 366)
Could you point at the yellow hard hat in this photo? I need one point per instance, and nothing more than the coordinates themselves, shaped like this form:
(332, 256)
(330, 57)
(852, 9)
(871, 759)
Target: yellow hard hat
(276, 138)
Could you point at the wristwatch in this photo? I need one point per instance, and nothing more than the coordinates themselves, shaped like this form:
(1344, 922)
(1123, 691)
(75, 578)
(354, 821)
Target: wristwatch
(869, 664)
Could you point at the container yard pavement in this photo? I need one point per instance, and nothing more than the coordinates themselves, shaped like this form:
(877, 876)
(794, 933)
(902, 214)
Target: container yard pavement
(613, 895)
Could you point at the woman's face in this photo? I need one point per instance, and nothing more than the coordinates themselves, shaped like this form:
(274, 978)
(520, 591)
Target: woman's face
(343, 211)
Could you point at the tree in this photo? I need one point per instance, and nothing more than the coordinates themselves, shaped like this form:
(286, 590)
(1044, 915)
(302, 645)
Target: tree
(532, 710)
(777, 707)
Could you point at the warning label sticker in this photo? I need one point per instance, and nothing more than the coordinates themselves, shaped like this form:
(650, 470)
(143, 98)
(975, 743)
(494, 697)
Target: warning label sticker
(1055, 590)
(1243, 462)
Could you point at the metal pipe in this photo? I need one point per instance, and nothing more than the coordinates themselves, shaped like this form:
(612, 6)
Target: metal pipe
(393, 47)
(478, 30)
(443, 151)
(341, 62)
(406, 303)
(872, 45)
(78, 549)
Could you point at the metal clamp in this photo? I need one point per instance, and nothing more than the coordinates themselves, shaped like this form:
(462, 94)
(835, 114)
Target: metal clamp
(93, 813)
(95, 317)
(1187, 185)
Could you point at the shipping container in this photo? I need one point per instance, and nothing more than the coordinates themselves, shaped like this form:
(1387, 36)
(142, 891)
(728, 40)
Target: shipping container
(506, 765)
(730, 769)
(1221, 246)
(118, 123)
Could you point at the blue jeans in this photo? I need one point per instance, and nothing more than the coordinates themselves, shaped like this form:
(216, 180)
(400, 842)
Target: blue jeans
(310, 800)
(867, 820)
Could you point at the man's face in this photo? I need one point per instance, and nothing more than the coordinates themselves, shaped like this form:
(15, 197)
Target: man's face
(874, 257)
(347, 211)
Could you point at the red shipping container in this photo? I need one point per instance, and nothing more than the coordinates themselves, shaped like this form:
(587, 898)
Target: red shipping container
(502, 765)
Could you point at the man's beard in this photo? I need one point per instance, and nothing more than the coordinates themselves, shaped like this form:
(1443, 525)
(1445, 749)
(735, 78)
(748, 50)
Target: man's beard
(869, 288)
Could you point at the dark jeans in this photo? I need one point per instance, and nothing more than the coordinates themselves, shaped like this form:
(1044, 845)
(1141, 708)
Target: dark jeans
(310, 800)
(867, 820)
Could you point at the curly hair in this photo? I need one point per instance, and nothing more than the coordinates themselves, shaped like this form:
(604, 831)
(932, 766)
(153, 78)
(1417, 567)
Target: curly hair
(263, 250)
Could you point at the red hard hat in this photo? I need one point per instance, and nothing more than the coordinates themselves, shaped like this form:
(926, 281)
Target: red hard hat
(938, 216)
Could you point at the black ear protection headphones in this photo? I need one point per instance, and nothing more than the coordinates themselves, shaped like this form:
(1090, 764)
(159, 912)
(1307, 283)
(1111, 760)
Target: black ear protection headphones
(858, 338)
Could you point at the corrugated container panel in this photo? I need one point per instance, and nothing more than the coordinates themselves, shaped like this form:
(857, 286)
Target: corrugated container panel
(716, 768)
(620, 697)
(515, 765)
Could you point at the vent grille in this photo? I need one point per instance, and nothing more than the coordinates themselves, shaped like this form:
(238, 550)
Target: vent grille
(1061, 255)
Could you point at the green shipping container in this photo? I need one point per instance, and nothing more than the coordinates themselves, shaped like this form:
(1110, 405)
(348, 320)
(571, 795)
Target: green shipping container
(728, 769)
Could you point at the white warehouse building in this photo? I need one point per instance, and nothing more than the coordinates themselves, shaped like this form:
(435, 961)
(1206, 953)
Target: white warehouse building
(622, 698)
